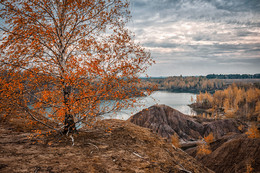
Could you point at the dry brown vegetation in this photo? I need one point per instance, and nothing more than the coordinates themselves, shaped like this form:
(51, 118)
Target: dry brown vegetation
(233, 102)
(127, 148)
(175, 140)
(204, 148)
(231, 153)
(253, 132)
(210, 138)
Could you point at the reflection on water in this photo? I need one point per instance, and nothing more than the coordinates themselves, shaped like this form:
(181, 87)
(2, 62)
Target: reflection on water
(178, 101)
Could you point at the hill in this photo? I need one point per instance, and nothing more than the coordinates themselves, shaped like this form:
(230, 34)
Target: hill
(125, 148)
(231, 153)
(166, 121)
(232, 150)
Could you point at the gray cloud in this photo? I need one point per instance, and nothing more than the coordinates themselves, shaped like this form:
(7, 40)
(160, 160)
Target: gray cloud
(194, 37)
(237, 5)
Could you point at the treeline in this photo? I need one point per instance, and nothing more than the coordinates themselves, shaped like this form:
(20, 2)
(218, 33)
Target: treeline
(233, 76)
(185, 84)
(234, 101)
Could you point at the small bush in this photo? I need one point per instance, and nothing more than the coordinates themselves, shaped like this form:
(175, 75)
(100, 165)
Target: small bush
(249, 168)
(203, 149)
(253, 132)
(175, 140)
(210, 138)
(240, 127)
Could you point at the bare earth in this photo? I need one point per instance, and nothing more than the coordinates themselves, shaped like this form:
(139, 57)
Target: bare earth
(127, 148)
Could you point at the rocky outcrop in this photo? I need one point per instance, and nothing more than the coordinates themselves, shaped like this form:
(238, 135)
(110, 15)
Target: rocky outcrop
(231, 153)
(165, 121)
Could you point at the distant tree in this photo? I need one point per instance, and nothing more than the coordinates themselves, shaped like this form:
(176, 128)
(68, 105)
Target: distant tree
(232, 76)
(218, 99)
(233, 102)
(63, 59)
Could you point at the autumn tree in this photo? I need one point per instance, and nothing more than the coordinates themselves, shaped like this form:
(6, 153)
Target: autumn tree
(233, 102)
(204, 148)
(67, 60)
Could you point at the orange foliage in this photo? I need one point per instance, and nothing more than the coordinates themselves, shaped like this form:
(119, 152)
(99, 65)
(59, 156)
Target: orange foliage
(70, 61)
(240, 127)
(253, 132)
(203, 149)
(210, 138)
(175, 140)
(233, 102)
(249, 168)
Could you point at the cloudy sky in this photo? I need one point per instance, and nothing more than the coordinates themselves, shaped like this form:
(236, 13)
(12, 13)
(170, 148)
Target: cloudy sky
(198, 37)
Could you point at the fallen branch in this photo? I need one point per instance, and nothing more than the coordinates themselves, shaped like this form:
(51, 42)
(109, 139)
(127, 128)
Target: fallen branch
(93, 145)
(183, 169)
(138, 155)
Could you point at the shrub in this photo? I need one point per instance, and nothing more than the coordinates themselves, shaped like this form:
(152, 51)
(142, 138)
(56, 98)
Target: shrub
(253, 132)
(175, 140)
(210, 138)
(203, 149)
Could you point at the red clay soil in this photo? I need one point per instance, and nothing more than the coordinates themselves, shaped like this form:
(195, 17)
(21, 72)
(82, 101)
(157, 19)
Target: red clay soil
(127, 148)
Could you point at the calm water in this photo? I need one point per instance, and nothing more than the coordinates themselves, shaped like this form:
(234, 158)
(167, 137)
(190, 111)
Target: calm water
(177, 101)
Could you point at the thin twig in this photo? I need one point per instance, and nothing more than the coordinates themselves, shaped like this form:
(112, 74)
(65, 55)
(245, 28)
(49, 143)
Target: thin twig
(138, 155)
(94, 146)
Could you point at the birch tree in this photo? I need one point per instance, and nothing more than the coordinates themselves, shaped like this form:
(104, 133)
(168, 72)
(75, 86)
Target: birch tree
(64, 59)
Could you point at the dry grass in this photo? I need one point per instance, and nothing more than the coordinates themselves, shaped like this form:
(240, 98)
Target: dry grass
(175, 140)
(126, 148)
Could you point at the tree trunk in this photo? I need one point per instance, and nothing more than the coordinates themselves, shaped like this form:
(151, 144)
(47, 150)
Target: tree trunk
(69, 124)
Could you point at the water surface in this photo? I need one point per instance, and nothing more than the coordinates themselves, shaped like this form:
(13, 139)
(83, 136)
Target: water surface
(178, 101)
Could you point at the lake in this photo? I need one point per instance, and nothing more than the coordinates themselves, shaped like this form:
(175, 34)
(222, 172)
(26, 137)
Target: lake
(178, 101)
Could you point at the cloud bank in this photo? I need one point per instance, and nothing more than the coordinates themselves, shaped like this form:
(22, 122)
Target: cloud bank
(198, 37)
